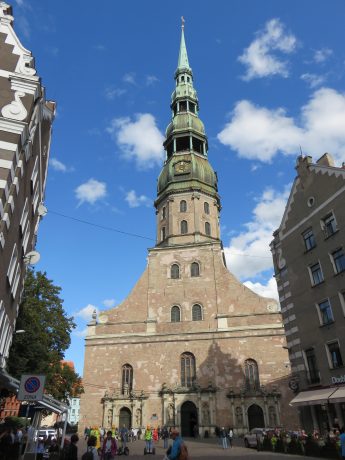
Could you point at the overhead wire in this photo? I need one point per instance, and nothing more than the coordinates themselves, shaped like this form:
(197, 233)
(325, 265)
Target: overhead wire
(136, 235)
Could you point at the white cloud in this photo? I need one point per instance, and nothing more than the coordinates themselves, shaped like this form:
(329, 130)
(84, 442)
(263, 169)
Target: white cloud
(134, 200)
(260, 133)
(91, 191)
(111, 93)
(129, 78)
(248, 253)
(58, 165)
(151, 80)
(313, 80)
(109, 303)
(260, 57)
(265, 290)
(322, 54)
(86, 312)
(139, 140)
(80, 332)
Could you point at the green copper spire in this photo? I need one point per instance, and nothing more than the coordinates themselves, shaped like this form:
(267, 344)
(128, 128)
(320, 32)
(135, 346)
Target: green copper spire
(183, 56)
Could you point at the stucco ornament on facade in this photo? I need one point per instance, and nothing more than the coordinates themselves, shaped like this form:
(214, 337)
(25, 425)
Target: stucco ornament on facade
(15, 110)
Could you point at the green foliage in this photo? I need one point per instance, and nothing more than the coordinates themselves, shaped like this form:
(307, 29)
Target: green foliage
(47, 336)
(15, 422)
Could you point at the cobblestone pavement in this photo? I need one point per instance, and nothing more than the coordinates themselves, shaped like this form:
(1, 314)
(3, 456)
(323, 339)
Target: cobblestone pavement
(202, 449)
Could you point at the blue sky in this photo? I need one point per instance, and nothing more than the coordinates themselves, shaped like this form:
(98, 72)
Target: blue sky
(270, 79)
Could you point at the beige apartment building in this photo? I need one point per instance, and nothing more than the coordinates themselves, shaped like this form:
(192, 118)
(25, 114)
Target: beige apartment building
(309, 259)
(25, 132)
(190, 346)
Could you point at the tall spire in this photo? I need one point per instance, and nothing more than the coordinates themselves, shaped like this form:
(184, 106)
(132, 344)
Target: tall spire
(183, 56)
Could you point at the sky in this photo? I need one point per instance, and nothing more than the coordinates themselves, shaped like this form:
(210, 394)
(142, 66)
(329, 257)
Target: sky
(270, 82)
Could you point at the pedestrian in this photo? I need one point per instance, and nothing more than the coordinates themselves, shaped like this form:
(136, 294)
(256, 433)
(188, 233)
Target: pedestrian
(223, 436)
(86, 433)
(179, 450)
(165, 436)
(91, 449)
(342, 443)
(231, 435)
(109, 448)
(124, 435)
(72, 451)
(148, 440)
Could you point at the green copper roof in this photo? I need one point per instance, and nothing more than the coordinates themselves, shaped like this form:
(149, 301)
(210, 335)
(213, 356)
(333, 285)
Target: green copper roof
(183, 56)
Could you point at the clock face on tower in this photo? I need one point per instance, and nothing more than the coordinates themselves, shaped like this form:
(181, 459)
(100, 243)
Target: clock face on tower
(182, 167)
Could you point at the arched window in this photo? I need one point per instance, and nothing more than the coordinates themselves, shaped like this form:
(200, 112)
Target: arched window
(196, 312)
(195, 269)
(187, 369)
(163, 233)
(251, 372)
(174, 271)
(163, 212)
(183, 206)
(207, 229)
(184, 227)
(175, 314)
(127, 379)
(206, 208)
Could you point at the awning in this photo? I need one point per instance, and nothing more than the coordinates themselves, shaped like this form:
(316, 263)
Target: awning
(338, 396)
(310, 398)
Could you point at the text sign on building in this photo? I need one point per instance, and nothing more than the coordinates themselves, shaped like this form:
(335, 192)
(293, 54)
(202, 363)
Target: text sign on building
(338, 379)
(31, 388)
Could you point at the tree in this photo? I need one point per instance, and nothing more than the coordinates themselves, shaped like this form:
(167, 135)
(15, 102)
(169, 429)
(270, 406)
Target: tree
(47, 336)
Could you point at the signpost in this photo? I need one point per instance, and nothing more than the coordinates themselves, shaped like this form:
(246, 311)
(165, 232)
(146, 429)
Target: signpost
(31, 388)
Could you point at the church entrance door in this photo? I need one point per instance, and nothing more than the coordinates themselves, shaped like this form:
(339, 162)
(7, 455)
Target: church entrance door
(189, 419)
(255, 417)
(125, 418)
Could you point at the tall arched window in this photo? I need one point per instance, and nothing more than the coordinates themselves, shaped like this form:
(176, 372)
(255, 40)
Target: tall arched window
(187, 369)
(163, 235)
(195, 269)
(206, 208)
(127, 379)
(175, 314)
(174, 271)
(207, 229)
(184, 227)
(183, 206)
(164, 212)
(196, 312)
(251, 372)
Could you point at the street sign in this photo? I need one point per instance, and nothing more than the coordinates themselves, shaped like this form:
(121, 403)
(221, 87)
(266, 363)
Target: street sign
(31, 387)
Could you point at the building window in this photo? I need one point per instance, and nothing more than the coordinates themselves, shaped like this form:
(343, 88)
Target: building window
(309, 239)
(175, 271)
(206, 208)
(183, 206)
(184, 227)
(187, 369)
(325, 312)
(251, 372)
(195, 269)
(329, 225)
(127, 379)
(316, 274)
(207, 229)
(338, 260)
(341, 298)
(313, 374)
(12, 265)
(163, 212)
(175, 314)
(334, 354)
(196, 313)
(163, 233)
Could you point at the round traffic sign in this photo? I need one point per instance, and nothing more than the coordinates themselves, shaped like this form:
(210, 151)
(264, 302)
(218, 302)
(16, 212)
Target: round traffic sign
(32, 384)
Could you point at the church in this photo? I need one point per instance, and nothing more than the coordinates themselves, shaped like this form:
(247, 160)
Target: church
(190, 346)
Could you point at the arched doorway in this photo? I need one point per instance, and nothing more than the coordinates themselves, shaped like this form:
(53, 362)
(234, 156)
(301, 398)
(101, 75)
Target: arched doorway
(189, 419)
(255, 417)
(125, 418)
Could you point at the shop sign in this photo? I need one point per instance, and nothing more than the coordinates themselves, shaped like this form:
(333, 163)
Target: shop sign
(340, 379)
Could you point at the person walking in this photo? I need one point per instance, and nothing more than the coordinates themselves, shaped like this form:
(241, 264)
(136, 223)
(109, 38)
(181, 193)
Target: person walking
(179, 449)
(91, 448)
(231, 435)
(223, 437)
(124, 436)
(165, 436)
(72, 452)
(342, 443)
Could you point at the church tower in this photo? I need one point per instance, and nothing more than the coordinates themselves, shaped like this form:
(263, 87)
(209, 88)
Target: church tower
(190, 346)
(188, 203)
